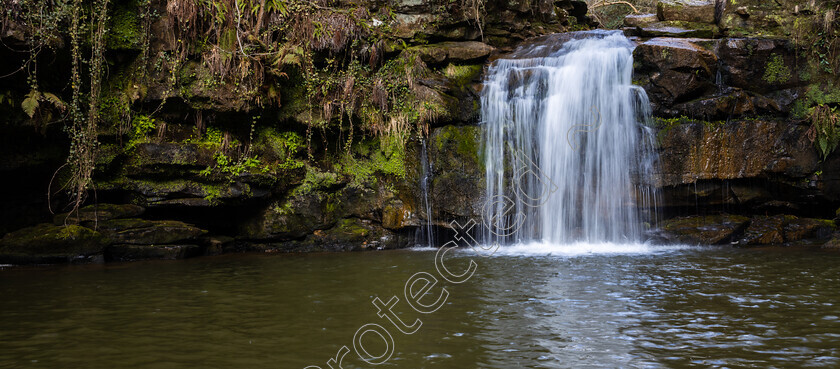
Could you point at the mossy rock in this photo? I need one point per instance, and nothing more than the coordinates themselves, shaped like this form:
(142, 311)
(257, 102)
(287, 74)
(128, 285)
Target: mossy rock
(89, 215)
(149, 232)
(50, 243)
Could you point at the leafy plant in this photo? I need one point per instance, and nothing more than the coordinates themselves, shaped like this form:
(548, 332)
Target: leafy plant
(825, 129)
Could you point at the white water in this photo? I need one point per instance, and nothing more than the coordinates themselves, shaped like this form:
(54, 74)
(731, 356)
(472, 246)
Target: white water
(569, 107)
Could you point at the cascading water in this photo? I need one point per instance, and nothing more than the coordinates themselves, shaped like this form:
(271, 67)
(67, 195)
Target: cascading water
(426, 235)
(567, 106)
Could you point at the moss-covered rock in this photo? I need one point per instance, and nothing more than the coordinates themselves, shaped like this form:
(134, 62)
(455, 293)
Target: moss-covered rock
(51, 243)
(149, 232)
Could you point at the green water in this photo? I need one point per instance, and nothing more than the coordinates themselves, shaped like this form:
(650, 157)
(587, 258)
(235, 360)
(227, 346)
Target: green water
(647, 308)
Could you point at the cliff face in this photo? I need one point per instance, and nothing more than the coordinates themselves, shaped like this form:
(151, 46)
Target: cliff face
(304, 126)
(745, 96)
(248, 125)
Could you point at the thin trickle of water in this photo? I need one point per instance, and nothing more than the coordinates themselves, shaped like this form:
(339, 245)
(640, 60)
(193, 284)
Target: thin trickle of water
(569, 108)
(427, 235)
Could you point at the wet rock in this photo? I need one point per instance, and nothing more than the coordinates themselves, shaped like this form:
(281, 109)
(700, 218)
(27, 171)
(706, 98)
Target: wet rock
(781, 229)
(398, 215)
(47, 243)
(128, 252)
(453, 52)
(765, 231)
(734, 150)
(675, 70)
(736, 104)
(678, 29)
(804, 228)
(640, 20)
(833, 243)
(89, 215)
(759, 65)
(149, 232)
(346, 235)
(706, 230)
(686, 10)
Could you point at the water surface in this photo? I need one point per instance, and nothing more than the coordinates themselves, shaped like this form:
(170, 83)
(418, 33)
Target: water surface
(535, 306)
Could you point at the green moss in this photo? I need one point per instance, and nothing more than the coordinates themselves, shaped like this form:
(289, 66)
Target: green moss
(776, 70)
(464, 140)
(370, 160)
(315, 179)
(462, 74)
(285, 148)
(124, 27)
(141, 127)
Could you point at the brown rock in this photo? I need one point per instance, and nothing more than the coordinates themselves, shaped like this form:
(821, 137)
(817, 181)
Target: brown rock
(765, 231)
(706, 230)
(677, 70)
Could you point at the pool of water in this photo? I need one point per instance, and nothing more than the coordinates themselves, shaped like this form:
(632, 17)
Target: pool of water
(531, 306)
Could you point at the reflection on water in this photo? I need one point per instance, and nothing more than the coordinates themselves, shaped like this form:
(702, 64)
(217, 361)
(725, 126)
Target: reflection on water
(632, 306)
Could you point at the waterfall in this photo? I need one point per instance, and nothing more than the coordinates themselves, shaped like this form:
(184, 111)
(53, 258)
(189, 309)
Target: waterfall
(566, 108)
(426, 235)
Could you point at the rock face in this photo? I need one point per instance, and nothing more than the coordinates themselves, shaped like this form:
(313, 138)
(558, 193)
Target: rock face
(201, 153)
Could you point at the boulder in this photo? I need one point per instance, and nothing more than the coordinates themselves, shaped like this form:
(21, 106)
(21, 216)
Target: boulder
(686, 10)
(781, 229)
(706, 230)
(149, 232)
(48, 243)
(764, 230)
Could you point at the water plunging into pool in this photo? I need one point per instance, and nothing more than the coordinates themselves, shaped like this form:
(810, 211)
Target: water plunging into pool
(566, 108)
